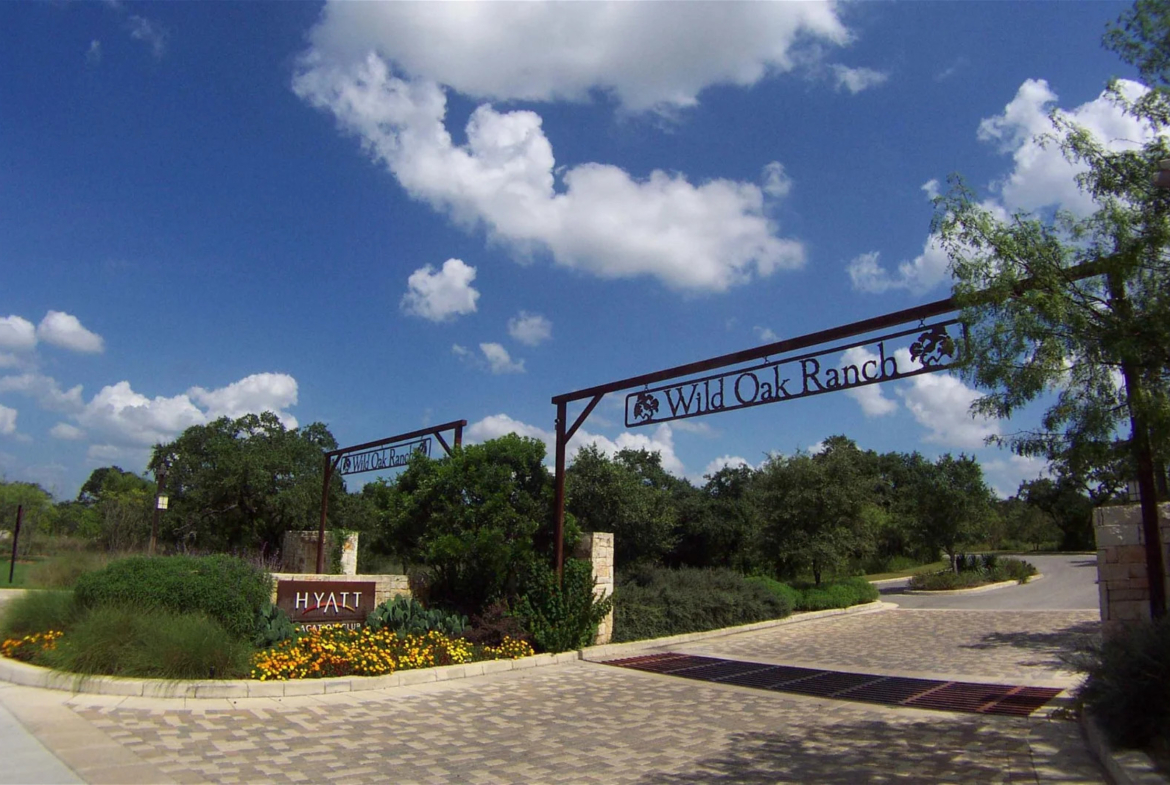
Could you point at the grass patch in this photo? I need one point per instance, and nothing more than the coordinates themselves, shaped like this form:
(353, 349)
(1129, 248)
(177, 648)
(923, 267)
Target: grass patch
(38, 611)
(63, 571)
(154, 643)
(934, 566)
(19, 575)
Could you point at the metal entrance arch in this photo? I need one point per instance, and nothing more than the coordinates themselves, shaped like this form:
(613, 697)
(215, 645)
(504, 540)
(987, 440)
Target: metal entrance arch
(389, 453)
(934, 346)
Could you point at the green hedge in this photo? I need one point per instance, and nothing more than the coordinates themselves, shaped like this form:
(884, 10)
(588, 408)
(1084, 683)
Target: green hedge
(975, 571)
(228, 590)
(656, 602)
(843, 593)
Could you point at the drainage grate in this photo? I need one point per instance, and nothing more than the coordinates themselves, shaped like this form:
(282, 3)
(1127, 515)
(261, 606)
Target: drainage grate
(888, 690)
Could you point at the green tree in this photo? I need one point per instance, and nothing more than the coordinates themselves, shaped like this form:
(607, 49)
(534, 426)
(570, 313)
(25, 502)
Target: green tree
(954, 505)
(1069, 509)
(476, 520)
(120, 507)
(720, 527)
(629, 496)
(37, 514)
(242, 483)
(1100, 344)
(812, 507)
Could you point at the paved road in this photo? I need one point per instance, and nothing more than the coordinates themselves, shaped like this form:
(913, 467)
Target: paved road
(1069, 583)
(589, 722)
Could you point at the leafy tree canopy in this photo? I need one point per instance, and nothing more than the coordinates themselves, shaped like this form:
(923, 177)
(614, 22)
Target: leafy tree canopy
(242, 483)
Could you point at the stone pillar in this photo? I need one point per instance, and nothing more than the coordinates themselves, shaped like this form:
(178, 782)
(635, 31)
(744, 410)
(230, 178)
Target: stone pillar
(1122, 583)
(597, 547)
(299, 553)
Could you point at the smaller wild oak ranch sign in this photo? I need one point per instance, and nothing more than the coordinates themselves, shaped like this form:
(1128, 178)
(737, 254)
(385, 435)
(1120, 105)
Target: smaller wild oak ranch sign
(384, 457)
(932, 349)
(326, 602)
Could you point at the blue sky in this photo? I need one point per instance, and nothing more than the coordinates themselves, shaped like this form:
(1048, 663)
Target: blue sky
(389, 215)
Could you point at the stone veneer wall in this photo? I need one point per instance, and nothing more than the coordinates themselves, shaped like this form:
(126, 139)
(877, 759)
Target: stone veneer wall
(299, 553)
(1122, 582)
(385, 586)
(597, 547)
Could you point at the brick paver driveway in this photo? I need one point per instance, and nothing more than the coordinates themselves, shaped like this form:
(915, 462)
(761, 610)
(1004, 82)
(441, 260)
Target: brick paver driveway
(589, 722)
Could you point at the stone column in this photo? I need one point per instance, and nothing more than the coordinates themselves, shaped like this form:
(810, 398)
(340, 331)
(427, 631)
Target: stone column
(1122, 583)
(299, 553)
(597, 547)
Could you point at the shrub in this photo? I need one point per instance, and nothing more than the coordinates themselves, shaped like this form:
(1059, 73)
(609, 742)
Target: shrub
(407, 616)
(494, 626)
(974, 571)
(1128, 688)
(565, 616)
(654, 602)
(786, 593)
(227, 589)
(272, 626)
(152, 643)
(844, 593)
(38, 611)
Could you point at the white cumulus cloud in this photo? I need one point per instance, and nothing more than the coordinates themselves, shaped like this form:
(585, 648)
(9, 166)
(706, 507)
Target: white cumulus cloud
(530, 329)
(723, 462)
(44, 390)
(260, 392)
(645, 55)
(857, 79)
(65, 330)
(441, 295)
(66, 432)
(873, 402)
(7, 421)
(1040, 176)
(941, 403)
(498, 359)
(602, 220)
(126, 417)
(17, 334)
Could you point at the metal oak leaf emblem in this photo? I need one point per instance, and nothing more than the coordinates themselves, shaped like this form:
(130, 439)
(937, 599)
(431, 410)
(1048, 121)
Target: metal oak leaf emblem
(932, 346)
(645, 406)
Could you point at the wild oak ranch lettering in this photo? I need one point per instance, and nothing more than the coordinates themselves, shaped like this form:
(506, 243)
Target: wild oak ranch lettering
(383, 457)
(792, 378)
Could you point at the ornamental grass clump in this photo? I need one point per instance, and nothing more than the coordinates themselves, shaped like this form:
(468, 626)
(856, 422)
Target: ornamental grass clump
(338, 651)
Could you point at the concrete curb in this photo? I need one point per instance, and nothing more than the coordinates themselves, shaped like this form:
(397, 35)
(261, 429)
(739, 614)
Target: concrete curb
(35, 676)
(976, 590)
(612, 650)
(1127, 767)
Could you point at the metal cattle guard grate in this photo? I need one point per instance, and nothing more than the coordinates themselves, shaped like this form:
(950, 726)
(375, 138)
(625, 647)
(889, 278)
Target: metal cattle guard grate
(889, 690)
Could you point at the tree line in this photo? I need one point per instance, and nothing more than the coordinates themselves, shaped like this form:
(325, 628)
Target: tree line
(481, 515)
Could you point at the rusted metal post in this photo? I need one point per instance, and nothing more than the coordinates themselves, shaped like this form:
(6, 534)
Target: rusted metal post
(458, 436)
(15, 537)
(559, 500)
(324, 511)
